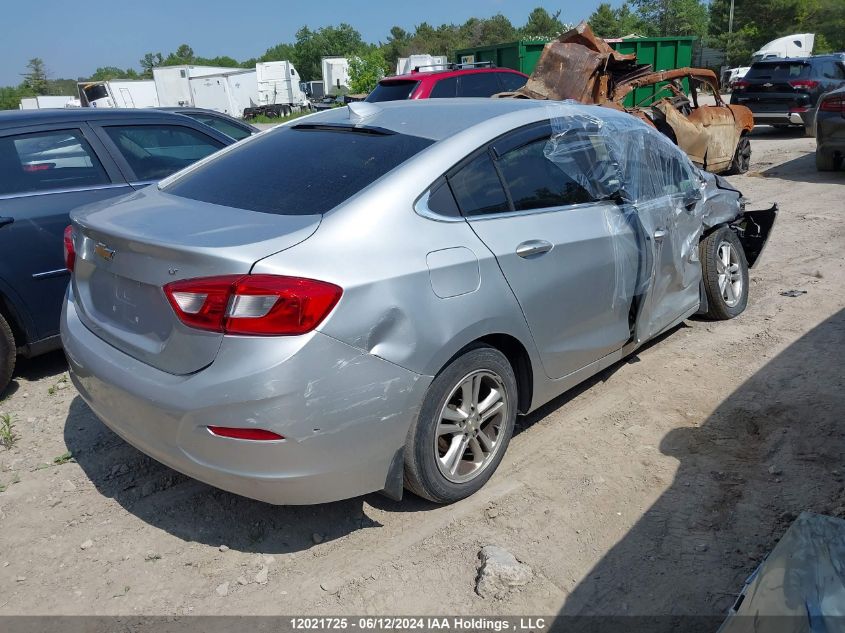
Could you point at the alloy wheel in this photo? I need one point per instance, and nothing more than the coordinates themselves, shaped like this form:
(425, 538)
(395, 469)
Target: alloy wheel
(730, 273)
(469, 426)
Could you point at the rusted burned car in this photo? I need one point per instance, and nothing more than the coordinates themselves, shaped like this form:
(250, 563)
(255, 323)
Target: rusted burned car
(583, 67)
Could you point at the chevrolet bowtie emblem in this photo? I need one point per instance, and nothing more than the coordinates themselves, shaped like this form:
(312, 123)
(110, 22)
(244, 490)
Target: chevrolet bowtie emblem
(104, 251)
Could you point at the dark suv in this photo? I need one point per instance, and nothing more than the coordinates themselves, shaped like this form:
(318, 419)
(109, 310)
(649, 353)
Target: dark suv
(456, 81)
(783, 92)
(52, 161)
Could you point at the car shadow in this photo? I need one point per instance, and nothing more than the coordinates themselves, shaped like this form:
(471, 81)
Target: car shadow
(36, 368)
(525, 422)
(194, 511)
(773, 448)
(803, 169)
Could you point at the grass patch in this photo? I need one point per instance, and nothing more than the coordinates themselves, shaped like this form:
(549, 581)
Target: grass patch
(8, 437)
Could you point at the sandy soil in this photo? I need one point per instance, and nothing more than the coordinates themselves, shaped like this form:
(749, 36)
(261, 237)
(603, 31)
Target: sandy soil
(654, 488)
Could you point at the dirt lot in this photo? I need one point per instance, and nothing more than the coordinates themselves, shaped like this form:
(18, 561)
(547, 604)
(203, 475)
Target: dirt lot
(653, 489)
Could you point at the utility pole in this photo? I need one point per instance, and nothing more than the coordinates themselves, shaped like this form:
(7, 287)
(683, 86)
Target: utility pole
(731, 19)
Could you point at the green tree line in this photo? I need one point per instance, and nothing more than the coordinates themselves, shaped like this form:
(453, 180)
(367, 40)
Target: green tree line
(755, 22)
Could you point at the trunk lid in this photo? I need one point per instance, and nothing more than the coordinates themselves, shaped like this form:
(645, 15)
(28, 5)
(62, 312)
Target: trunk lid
(127, 251)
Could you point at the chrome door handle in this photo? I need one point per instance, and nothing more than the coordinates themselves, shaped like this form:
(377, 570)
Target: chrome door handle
(533, 247)
(6, 220)
(659, 234)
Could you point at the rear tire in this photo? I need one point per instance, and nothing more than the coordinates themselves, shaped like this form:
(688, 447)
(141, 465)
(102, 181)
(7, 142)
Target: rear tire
(827, 162)
(8, 354)
(464, 426)
(742, 156)
(724, 272)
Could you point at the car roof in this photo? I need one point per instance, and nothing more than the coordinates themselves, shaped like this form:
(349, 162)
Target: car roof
(438, 119)
(416, 75)
(18, 118)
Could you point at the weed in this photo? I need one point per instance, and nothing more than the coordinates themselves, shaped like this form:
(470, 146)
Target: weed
(8, 437)
(64, 458)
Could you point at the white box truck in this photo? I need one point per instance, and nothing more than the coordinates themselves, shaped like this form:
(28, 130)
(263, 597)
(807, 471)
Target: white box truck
(335, 75)
(280, 90)
(46, 101)
(427, 62)
(118, 93)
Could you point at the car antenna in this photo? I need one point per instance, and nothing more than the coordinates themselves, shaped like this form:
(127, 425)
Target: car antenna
(360, 110)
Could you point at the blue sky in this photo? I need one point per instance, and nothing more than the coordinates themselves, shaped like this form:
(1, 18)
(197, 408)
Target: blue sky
(73, 37)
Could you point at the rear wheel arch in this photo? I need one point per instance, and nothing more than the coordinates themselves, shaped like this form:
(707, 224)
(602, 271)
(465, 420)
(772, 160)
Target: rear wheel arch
(518, 357)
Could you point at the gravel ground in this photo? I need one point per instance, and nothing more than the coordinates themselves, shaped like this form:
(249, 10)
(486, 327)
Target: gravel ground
(654, 488)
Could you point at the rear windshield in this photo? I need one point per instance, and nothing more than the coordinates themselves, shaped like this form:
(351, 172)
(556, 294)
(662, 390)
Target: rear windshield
(392, 91)
(300, 170)
(782, 71)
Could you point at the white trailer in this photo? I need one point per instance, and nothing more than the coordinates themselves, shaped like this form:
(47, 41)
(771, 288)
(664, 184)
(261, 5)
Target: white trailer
(173, 83)
(46, 101)
(335, 75)
(431, 62)
(118, 93)
(230, 93)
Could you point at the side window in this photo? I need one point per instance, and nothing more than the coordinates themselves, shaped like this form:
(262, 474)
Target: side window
(832, 70)
(59, 159)
(535, 182)
(477, 188)
(479, 85)
(221, 125)
(512, 81)
(156, 151)
(442, 202)
(445, 88)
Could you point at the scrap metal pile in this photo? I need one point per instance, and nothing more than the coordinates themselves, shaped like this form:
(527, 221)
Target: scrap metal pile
(585, 68)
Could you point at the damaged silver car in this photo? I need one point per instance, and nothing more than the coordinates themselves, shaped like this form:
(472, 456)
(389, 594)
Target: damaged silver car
(366, 298)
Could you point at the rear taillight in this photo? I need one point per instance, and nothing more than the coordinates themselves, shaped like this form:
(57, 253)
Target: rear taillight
(257, 305)
(70, 254)
(835, 103)
(804, 84)
(245, 434)
(740, 85)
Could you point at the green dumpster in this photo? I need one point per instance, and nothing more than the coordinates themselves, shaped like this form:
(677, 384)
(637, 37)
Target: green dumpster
(663, 53)
(521, 55)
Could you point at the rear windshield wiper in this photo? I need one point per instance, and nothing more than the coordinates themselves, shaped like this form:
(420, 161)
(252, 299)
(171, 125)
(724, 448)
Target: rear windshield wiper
(345, 127)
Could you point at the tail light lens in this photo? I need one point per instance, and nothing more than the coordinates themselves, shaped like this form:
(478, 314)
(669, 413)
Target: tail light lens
(833, 104)
(257, 305)
(740, 85)
(70, 254)
(806, 84)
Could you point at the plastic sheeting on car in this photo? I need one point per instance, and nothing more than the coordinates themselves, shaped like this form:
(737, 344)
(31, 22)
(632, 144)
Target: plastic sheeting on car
(665, 203)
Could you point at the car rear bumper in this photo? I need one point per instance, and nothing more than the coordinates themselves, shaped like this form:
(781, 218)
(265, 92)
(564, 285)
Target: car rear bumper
(344, 413)
(780, 118)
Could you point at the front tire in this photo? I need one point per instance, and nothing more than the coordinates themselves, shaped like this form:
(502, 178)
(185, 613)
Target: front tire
(724, 271)
(8, 353)
(463, 428)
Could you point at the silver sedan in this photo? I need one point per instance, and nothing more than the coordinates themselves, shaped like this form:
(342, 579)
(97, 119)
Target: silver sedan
(366, 298)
